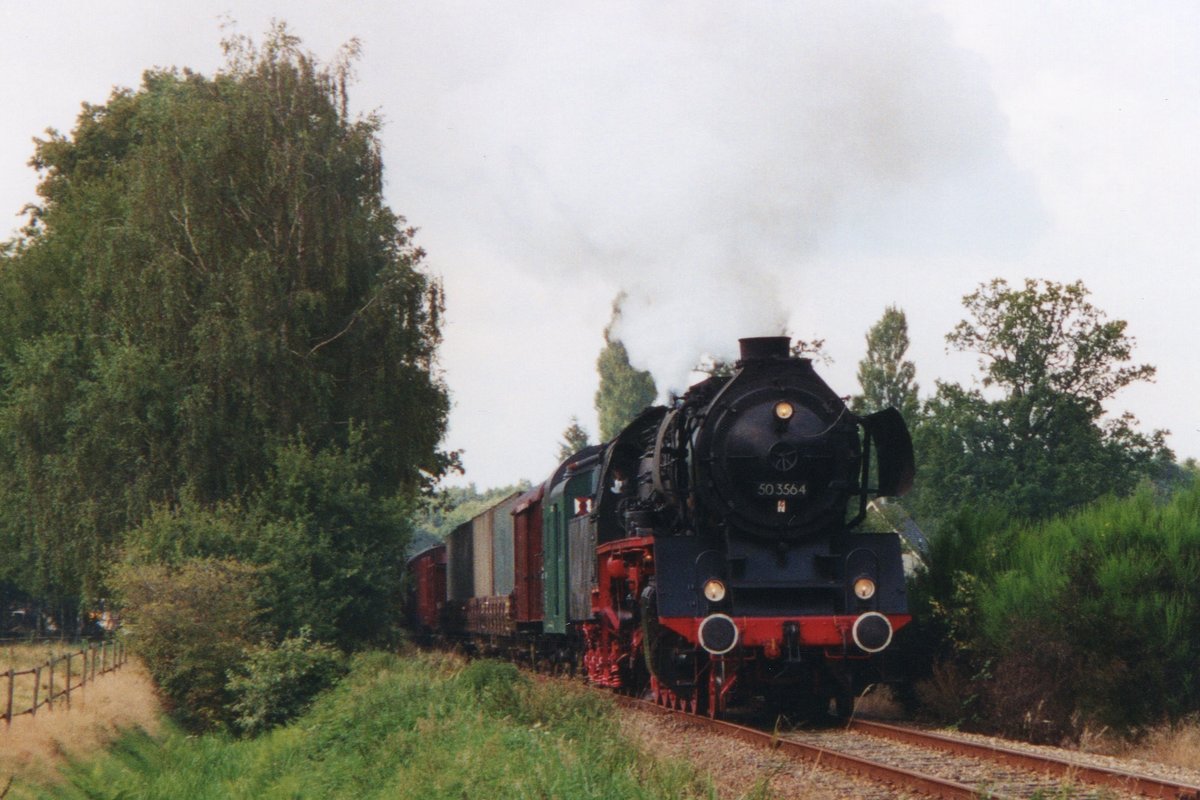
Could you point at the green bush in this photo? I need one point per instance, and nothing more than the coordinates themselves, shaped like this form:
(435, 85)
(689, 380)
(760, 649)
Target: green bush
(329, 551)
(1088, 618)
(191, 623)
(1099, 610)
(195, 624)
(276, 683)
(945, 665)
(332, 549)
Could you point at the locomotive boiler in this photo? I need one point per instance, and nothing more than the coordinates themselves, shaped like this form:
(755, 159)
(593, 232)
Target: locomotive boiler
(711, 554)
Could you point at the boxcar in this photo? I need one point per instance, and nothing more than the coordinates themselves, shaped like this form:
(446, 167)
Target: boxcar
(427, 587)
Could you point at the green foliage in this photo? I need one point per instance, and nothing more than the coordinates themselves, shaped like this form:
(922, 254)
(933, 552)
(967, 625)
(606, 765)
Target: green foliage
(277, 683)
(942, 643)
(1047, 340)
(624, 392)
(329, 554)
(332, 553)
(310, 555)
(1087, 618)
(191, 624)
(425, 726)
(1041, 447)
(211, 273)
(173, 535)
(1111, 591)
(886, 379)
(575, 438)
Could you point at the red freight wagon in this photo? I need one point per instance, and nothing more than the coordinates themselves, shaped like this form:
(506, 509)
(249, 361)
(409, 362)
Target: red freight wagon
(527, 552)
(427, 584)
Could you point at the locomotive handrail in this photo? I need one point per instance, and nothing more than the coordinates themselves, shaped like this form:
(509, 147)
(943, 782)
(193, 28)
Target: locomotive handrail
(586, 461)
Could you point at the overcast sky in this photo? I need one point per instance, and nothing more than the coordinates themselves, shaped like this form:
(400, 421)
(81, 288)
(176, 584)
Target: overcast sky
(732, 167)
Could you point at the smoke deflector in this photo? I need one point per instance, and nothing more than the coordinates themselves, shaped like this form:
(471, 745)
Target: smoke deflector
(894, 448)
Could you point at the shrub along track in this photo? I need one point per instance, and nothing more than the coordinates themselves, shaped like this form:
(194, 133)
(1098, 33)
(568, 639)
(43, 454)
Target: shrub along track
(938, 765)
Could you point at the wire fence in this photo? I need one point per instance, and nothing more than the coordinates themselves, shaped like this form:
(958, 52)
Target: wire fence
(39, 688)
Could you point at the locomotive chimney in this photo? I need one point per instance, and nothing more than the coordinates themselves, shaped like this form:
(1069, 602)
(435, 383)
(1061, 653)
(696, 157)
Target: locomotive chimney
(759, 348)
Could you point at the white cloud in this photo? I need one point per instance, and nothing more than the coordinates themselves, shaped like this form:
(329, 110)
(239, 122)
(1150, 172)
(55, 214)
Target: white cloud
(735, 168)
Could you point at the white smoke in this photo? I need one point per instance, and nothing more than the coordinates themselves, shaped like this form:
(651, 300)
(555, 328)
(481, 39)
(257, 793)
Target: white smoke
(699, 156)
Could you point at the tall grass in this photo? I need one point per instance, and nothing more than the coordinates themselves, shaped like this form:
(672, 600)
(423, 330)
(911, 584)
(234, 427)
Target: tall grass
(426, 726)
(33, 748)
(21, 656)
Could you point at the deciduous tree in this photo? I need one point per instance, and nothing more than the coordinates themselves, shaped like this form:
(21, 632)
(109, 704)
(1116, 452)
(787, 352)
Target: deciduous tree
(1042, 446)
(1046, 341)
(211, 272)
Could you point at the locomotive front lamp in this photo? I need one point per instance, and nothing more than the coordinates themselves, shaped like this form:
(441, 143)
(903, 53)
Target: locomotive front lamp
(784, 410)
(864, 588)
(714, 590)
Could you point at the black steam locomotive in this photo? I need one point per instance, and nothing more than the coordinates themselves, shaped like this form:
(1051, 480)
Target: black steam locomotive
(706, 556)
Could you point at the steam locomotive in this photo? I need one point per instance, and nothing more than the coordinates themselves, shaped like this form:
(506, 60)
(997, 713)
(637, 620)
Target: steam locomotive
(707, 556)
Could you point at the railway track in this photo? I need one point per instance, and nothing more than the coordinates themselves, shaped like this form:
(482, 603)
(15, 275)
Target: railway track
(936, 765)
(1061, 768)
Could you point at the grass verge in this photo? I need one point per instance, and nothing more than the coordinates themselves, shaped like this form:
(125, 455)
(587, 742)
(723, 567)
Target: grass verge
(1178, 745)
(27, 655)
(424, 726)
(1175, 744)
(33, 748)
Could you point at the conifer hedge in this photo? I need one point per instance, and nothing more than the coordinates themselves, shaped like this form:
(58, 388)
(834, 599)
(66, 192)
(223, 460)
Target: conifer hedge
(1091, 618)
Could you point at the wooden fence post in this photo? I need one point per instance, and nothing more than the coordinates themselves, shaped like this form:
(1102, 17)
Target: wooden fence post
(111, 656)
(8, 713)
(37, 686)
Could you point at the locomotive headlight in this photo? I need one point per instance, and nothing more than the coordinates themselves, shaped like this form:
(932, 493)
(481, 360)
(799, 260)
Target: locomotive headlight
(864, 588)
(714, 590)
(784, 410)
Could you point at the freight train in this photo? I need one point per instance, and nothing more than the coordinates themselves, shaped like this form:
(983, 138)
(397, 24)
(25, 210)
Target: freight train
(708, 556)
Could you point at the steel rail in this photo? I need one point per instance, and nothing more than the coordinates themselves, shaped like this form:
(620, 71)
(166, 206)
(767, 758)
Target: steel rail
(1131, 782)
(916, 781)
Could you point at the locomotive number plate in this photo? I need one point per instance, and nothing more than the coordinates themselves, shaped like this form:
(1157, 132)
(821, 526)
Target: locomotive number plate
(780, 489)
